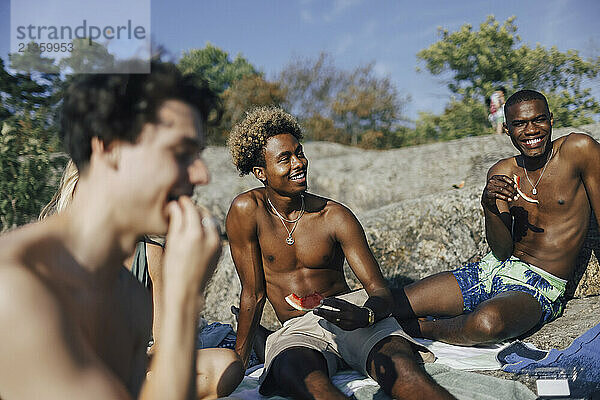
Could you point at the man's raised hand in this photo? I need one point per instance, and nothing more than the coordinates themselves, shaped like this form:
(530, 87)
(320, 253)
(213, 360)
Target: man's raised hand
(498, 187)
(193, 244)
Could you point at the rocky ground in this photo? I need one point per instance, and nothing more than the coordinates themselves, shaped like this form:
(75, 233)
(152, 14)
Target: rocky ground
(416, 222)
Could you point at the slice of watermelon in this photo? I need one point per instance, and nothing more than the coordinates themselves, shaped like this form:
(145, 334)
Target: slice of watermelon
(305, 303)
(517, 180)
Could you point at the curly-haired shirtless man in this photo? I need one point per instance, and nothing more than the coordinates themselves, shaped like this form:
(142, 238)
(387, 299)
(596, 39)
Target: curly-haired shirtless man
(285, 240)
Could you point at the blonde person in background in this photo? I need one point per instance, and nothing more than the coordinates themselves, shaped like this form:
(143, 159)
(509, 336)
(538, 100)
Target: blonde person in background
(219, 371)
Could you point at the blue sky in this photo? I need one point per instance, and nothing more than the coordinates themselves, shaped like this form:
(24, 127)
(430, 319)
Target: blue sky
(270, 34)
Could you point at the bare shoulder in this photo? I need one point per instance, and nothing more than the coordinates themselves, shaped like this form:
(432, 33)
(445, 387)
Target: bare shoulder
(502, 167)
(241, 221)
(38, 326)
(35, 240)
(578, 144)
(245, 204)
(24, 297)
(333, 211)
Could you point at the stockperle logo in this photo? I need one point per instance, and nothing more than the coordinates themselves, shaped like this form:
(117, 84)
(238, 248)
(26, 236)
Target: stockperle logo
(71, 36)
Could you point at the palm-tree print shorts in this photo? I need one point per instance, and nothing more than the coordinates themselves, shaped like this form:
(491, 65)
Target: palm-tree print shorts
(482, 280)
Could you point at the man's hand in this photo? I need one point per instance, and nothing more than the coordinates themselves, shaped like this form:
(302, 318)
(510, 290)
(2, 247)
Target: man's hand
(346, 315)
(499, 187)
(193, 244)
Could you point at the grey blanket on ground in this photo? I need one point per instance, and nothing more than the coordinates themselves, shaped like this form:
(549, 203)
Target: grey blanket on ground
(463, 385)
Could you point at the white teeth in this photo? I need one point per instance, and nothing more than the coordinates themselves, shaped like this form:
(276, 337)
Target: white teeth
(533, 141)
(297, 177)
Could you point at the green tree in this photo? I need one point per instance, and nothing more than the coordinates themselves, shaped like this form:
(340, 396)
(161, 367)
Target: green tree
(343, 106)
(476, 62)
(459, 119)
(367, 103)
(28, 141)
(248, 92)
(312, 85)
(214, 65)
(31, 62)
(88, 57)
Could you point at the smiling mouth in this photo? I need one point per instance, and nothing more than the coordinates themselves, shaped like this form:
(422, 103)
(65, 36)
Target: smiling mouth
(299, 177)
(533, 142)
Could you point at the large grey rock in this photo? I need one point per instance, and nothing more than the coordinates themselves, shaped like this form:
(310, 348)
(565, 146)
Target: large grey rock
(415, 221)
(419, 237)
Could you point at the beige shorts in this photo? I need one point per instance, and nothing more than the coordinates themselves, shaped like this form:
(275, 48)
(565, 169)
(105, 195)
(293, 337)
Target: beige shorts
(353, 347)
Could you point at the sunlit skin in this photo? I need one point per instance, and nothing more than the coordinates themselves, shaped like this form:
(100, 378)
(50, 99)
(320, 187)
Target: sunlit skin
(547, 235)
(68, 301)
(269, 268)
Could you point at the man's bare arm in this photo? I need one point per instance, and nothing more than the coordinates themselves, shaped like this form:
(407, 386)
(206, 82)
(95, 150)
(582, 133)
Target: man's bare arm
(39, 340)
(155, 255)
(351, 236)
(245, 251)
(586, 151)
(499, 190)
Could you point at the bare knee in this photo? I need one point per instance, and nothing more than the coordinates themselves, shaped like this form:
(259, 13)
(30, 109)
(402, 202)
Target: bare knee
(398, 370)
(297, 363)
(218, 373)
(390, 358)
(489, 325)
(301, 373)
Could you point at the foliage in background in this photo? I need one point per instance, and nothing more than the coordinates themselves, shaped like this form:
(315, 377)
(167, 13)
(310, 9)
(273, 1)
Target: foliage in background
(476, 62)
(214, 65)
(28, 144)
(239, 84)
(352, 107)
(244, 94)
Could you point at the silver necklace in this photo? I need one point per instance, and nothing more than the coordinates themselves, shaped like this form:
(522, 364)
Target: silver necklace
(289, 240)
(534, 190)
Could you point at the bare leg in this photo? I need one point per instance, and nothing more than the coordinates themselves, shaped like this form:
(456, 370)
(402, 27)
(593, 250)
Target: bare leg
(393, 365)
(301, 373)
(437, 295)
(219, 372)
(505, 316)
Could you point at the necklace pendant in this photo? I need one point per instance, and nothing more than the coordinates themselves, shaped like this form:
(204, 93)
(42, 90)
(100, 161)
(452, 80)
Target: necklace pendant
(534, 191)
(289, 240)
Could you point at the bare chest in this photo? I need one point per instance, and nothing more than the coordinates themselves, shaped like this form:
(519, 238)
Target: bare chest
(556, 221)
(560, 194)
(107, 322)
(311, 245)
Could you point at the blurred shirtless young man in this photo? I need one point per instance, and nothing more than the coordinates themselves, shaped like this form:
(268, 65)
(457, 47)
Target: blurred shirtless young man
(534, 236)
(67, 332)
(285, 240)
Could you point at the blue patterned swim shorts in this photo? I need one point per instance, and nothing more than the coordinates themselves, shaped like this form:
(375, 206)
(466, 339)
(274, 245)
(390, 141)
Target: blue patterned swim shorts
(482, 280)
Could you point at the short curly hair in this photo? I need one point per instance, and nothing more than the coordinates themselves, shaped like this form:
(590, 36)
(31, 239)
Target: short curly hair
(116, 106)
(248, 138)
